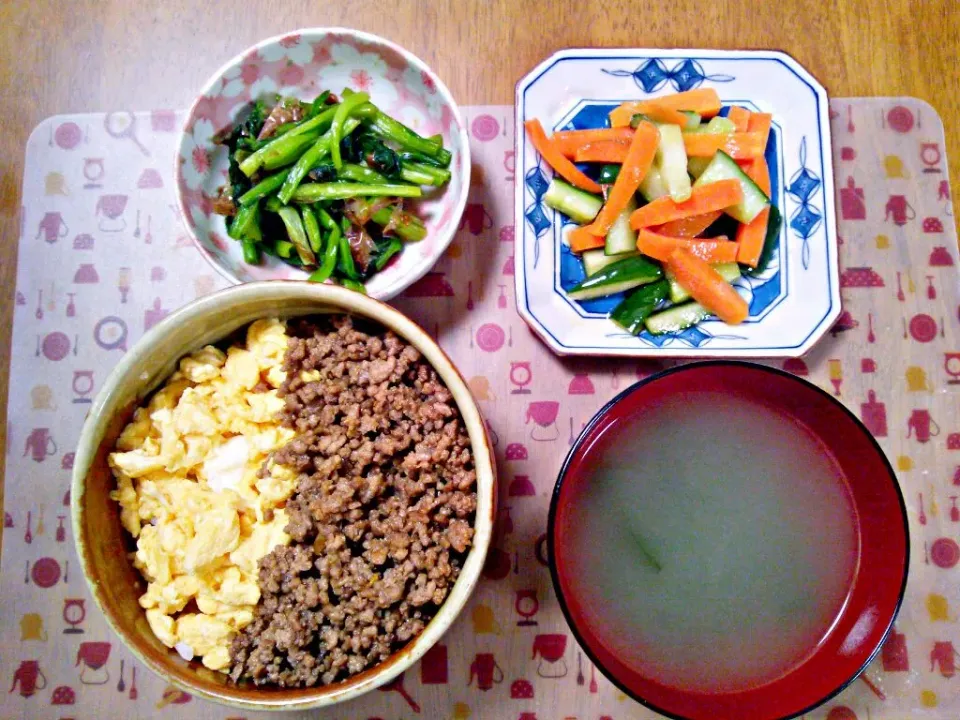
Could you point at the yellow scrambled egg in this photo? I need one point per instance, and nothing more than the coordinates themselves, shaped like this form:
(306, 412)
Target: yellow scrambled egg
(186, 469)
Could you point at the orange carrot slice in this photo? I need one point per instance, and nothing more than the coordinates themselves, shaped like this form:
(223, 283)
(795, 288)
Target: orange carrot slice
(738, 145)
(740, 117)
(690, 226)
(582, 238)
(561, 165)
(706, 198)
(756, 169)
(661, 247)
(665, 114)
(760, 122)
(704, 101)
(636, 164)
(751, 237)
(707, 287)
(569, 141)
(605, 151)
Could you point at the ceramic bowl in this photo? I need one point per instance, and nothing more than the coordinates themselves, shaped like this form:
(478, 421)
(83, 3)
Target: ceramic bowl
(303, 64)
(878, 582)
(103, 545)
(793, 302)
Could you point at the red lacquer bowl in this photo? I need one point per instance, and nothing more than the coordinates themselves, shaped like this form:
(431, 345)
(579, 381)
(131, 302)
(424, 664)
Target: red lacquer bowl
(876, 590)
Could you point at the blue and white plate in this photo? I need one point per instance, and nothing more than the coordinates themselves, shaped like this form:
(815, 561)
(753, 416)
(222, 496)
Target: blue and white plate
(792, 304)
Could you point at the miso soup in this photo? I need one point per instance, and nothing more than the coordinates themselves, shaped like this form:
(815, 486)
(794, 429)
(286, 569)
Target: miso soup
(712, 549)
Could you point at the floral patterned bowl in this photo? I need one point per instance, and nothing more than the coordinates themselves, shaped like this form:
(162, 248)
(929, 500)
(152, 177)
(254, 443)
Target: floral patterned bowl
(303, 64)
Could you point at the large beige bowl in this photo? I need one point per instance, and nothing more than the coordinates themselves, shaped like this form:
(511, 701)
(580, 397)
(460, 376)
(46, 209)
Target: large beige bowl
(104, 547)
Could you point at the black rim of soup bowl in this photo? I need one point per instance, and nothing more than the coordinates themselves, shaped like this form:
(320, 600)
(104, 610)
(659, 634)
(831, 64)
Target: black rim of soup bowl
(603, 411)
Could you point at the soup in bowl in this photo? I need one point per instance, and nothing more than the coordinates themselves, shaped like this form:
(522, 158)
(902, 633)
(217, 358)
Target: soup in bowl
(728, 541)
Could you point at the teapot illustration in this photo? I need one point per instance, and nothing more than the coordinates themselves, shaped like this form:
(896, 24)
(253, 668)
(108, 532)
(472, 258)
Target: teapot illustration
(52, 227)
(40, 444)
(920, 424)
(485, 669)
(27, 676)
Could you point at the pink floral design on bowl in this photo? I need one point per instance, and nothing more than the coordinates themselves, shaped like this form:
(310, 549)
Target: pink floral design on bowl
(302, 64)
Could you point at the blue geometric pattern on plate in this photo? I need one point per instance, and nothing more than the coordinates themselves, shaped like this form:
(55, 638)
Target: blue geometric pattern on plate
(654, 74)
(805, 220)
(537, 183)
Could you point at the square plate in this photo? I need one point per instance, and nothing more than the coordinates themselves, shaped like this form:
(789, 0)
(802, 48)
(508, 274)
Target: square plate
(792, 303)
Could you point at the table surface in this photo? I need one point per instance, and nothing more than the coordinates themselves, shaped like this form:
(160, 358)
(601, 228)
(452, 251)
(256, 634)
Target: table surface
(106, 55)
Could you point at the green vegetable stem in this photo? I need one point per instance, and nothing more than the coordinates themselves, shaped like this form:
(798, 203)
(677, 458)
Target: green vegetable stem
(343, 111)
(316, 192)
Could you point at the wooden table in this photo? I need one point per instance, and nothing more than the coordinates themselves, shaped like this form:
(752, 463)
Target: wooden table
(95, 56)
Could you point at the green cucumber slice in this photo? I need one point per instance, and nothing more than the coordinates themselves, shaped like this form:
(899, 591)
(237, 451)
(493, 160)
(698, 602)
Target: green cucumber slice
(676, 318)
(652, 185)
(693, 120)
(679, 294)
(672, 161)
(723, 167)
(608, 174)
(581, 207)
(640, 304)
(630, 272)
(717, 126)
(597, 259)
(622, 238)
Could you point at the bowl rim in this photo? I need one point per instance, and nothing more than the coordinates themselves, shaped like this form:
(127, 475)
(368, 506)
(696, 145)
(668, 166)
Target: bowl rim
(447, 234)
(601, 414)
(346, 302)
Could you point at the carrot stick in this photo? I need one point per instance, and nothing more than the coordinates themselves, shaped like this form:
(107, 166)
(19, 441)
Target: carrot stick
(661, 247)
(760, 122)
(751, 237)
(605, 151)
(706, 198)
(636, 164)
(756, 169)
(740, 117)
(690, 226)
(563, 167)
(582, 239)
(568, 141)
(707, 287)
(665, 114)
(738, 145)
(704, 101)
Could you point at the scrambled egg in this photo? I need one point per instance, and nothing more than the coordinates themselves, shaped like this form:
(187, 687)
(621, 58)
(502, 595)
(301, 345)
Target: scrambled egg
(189, 492)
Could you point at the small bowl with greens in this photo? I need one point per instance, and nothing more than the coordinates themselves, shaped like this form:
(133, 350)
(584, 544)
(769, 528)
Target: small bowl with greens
(325, 154)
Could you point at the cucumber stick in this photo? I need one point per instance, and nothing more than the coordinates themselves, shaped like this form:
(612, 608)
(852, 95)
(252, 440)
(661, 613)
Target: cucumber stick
(652, 185)
(640, 304)
(622, 238)
(723, 167)
(597, 259)
(693, 120)
(672, 161)
(716, 126)
(625, 274)
(676, 318)
(581, 207)
(679, 294)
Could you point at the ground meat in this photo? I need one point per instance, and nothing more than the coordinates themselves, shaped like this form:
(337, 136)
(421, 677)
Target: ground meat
(382, 515)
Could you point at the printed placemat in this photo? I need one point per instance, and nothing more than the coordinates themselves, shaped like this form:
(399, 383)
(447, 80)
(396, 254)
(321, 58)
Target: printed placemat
(103, 256)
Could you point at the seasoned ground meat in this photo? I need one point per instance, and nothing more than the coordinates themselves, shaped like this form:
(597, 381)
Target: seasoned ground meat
(382, 515)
